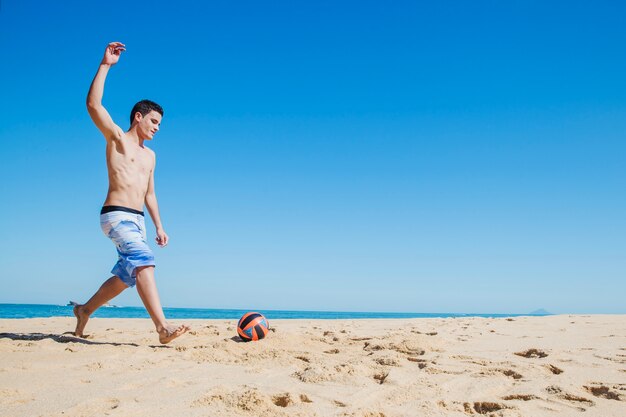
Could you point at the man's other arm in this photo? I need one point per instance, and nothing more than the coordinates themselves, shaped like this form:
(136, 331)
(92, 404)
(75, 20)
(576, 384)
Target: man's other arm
(153, 208)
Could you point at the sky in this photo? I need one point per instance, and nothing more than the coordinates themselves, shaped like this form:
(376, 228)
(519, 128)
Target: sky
(404, 156)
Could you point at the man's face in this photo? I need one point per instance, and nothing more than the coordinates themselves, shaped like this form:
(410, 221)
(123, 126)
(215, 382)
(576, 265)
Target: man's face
(148, 125)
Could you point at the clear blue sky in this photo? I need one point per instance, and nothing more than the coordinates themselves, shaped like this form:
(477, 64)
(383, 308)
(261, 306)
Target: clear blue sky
(372, 156)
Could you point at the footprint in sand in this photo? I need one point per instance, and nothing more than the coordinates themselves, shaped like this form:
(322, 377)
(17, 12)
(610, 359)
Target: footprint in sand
(369, 347)
(473, 408)
(248, 399)
(616, 359)
(555, 370)
(553, 389)
(485, 407)
(315, 373)
(408, 347)
(521, 397)
(602, 391)
(575, 398)
(532, 353)
(283, 400)
(330, 335)
(506, 372)
(510, 373)
(360, 339)
(387, 361)
(287, 399)
(381, 377)
(421, 363)
(450, 406)
(572, 399)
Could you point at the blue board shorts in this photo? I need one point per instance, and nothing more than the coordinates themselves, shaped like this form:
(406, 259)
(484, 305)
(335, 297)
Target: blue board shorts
(127, 229)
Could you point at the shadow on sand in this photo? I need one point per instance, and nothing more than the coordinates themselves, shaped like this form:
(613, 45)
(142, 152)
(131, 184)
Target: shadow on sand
(238, 339)
(59, 338)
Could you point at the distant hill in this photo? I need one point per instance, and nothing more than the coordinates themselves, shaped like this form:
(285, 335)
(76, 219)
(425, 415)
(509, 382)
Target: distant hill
(540, 312)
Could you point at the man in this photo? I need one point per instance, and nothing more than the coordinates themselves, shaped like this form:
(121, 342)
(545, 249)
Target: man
(131, 185)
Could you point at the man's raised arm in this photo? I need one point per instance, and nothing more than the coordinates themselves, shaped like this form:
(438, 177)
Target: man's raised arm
(98, 113)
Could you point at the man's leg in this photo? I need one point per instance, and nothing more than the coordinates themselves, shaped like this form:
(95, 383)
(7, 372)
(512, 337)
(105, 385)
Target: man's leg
(146, 287)
(109, 290)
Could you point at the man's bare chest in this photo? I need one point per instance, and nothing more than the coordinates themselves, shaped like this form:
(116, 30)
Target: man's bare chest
(129, 160)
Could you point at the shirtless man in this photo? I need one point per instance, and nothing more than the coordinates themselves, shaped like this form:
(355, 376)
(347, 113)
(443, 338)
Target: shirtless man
(131, 185)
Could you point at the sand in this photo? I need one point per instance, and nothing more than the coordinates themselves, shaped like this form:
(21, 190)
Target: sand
(523, 366)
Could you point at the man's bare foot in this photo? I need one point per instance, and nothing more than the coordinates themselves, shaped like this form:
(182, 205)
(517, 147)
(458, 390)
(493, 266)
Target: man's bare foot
(171, 332)
(81, 320)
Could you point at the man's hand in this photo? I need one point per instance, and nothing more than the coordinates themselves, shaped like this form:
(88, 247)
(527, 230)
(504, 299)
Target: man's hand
(112, 53)
(162, 238)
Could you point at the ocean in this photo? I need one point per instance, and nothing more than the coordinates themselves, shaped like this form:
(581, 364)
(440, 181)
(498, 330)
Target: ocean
(22, 311)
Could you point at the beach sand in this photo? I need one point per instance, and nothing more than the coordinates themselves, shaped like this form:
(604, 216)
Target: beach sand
(522, 366)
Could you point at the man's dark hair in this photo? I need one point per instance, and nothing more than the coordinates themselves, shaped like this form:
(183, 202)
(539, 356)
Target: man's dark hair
(144, 107)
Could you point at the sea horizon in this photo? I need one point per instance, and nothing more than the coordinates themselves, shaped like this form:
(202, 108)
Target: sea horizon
(26, 310)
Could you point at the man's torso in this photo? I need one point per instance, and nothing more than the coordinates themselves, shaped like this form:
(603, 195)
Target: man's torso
(130, 167)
